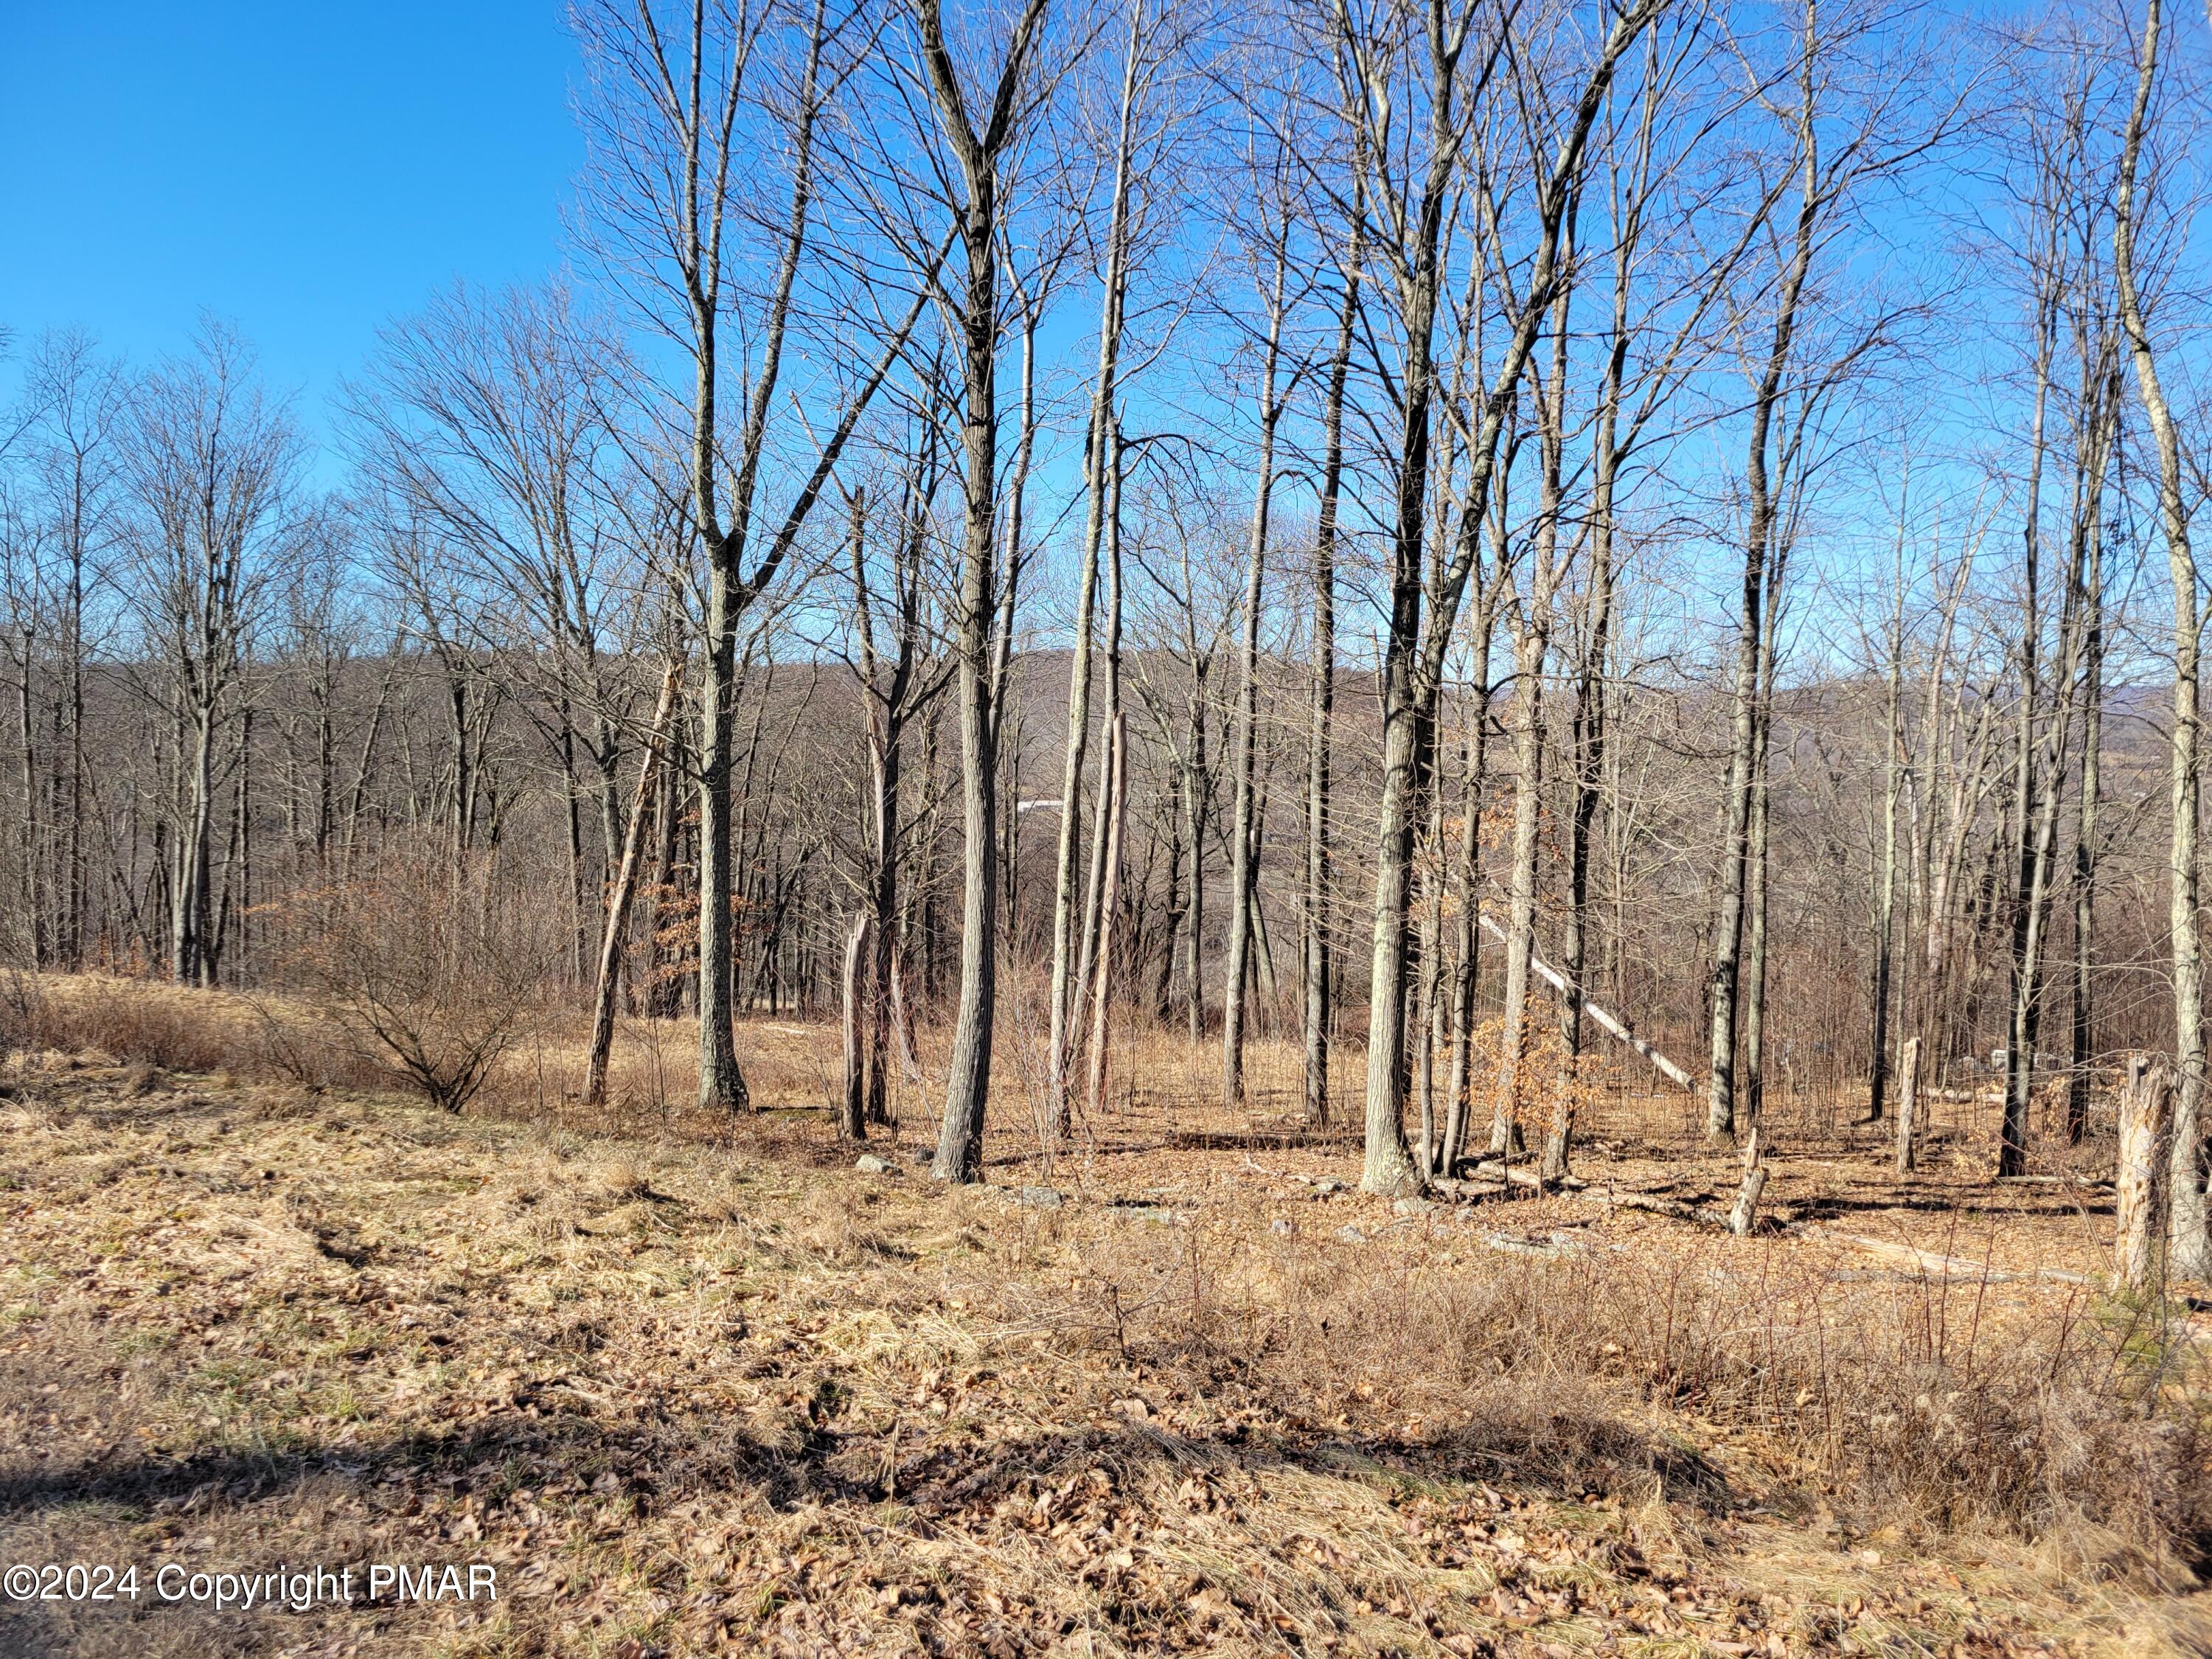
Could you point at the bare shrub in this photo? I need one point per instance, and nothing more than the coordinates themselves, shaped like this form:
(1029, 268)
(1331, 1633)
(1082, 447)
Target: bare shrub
(429, 972)
(290, 1040)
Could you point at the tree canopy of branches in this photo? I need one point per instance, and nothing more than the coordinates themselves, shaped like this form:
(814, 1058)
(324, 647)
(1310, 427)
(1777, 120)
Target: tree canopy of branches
(1418, 558)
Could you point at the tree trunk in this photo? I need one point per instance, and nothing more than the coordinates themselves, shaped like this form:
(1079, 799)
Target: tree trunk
(1096, 459)
(883, 914)
(968, 1084)
(1112, 795)
(1429, 1014)
(1114, 803)
(1529, 649)
(1318, 914)
(1197, 790)
(1173, 911)
(1744, 1214)
(1245, 830)
(1751, 627)
(721, 1082)
(1588, 742)
(1735, 849)
(1532, 637)
(1459, 1076)
(853, 1117)
(2085, 832)
(191, 928)
(1756, 873)
(2190, 1251)
(625, 889)
(1885, 922)
(2027, 917)
(1908, 1105)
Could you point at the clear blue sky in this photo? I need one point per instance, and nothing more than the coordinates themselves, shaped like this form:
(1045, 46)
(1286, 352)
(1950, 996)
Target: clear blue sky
(304, 168)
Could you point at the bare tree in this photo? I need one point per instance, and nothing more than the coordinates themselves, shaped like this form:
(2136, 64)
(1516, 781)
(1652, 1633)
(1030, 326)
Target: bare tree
(1244, 819)
(1405, 212)
(2190, 1247)
(75, 453)
(901, 674)
(1141, 64)
(978, 154)
(1318, 910)
(215, 464)
(671, 127)
(1849, 122)
(624, 890)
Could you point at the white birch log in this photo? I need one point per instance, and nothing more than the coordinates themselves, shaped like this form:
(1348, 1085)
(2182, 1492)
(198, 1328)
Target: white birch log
(1666, 1067)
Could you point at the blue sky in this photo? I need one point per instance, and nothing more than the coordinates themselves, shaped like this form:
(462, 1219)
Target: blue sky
(303, 169)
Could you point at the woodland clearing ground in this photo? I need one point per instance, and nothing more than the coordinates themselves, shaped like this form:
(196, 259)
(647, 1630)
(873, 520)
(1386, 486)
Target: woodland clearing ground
(688, 1396)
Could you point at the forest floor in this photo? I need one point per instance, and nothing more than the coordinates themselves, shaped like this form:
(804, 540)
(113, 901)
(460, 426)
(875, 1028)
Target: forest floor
(692, 1398)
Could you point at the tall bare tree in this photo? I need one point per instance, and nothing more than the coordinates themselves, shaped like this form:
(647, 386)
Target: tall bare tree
(675, 97)
(1318, 911)
(1244, 820)
(1407, 202)
(1140, 63)
(215, 475)
(978, 154)
(2189, 1248)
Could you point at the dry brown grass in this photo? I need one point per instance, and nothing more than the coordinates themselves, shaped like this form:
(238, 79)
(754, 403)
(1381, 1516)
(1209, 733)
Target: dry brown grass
(279, 1037)
(696, 1397)
(1930, 1406)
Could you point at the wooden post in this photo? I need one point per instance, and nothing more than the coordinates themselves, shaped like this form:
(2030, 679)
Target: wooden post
(1740, 1219)
(2145, 1105)
(1908, 1104)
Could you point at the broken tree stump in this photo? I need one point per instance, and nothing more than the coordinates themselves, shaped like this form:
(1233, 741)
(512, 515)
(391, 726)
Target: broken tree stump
(1908, 1104)
(2146, 1103)
(1744, 1216)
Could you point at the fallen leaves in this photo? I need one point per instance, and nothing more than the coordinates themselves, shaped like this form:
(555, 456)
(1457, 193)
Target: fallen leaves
(693, 1407)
